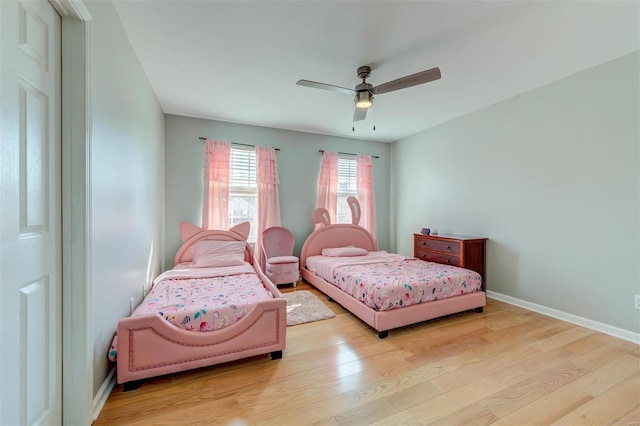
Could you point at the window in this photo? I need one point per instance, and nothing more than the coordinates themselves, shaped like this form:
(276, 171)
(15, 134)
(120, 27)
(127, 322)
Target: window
(347, 186)
(243, 190)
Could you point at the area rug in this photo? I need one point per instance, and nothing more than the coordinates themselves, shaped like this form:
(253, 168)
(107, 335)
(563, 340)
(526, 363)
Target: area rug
(303, 306)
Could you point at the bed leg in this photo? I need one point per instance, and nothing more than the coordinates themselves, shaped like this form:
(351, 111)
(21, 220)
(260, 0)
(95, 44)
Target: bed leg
(478, 310)
(129, 386)
(276, 355)
(383, 334)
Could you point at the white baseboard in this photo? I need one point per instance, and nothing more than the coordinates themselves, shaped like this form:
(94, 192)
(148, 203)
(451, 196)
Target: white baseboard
(103, 393)
(564, 316)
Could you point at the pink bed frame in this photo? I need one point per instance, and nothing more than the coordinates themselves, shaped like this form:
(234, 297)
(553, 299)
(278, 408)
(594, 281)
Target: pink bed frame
(150, 346)
(382, 321)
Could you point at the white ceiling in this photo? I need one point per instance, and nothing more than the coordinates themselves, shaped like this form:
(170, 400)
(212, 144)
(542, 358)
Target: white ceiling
(238, 61)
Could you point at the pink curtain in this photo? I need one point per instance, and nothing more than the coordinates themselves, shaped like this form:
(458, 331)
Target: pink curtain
(217, 172)
(328, 184)
(268, 195)
(366, 194)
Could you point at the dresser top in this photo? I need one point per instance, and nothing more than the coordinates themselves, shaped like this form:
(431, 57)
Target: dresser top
(441, 236)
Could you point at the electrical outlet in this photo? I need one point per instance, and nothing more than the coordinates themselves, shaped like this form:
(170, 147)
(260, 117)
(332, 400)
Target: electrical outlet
(637, 301)
(131, 305)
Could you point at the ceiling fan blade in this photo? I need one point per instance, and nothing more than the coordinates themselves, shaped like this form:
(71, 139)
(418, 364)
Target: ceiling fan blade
(408, 81)
(360, 114)
(325, 86)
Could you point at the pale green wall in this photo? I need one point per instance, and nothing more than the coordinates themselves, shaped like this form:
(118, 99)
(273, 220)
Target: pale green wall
(127, 183)
(551, 177)
(298, 169)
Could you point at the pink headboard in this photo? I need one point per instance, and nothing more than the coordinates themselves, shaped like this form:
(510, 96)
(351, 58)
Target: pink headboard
(339, 235)
(184, 252)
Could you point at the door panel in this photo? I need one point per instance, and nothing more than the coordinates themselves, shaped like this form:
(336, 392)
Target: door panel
(30, 217)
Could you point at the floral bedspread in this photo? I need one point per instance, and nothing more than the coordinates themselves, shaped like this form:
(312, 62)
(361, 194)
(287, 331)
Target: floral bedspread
(394, 284)
(201, 303)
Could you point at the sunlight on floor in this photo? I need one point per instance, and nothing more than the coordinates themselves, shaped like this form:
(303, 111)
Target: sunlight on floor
(348, 363)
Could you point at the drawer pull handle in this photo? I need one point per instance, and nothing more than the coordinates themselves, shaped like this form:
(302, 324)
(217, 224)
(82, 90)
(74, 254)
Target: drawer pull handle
(448, 261)
(448, 247)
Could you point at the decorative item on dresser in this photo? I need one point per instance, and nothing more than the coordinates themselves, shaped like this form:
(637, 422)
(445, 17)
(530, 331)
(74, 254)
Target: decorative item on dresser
(456, 250)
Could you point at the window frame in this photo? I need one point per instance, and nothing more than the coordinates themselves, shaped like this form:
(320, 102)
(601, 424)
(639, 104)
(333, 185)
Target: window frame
(242, 185)
(347, 186)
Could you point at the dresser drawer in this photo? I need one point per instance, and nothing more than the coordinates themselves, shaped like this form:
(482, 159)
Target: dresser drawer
(452, 247)
(455, 250)
(431, 256)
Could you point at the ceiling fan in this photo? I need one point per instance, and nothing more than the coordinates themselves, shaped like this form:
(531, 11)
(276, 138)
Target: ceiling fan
(364, 91)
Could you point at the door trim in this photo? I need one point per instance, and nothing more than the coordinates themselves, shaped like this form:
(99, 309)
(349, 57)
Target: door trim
(77, 285)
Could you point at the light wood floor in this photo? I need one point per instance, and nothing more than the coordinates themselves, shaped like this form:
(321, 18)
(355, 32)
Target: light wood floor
(506, 366)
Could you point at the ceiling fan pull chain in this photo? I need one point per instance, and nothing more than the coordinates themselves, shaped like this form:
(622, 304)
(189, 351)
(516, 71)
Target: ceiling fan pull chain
(374, 119)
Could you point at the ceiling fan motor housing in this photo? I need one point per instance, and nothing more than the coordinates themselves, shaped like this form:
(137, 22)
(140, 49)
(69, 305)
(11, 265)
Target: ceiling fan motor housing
(364, 72)
(362, 87)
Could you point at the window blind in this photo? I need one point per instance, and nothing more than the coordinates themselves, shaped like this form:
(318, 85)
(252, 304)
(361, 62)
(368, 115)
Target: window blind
(347, 186)
(243, 168)
(347, 176)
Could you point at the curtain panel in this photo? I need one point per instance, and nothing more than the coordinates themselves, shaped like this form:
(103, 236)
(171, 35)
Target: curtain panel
(366, 198)
(328, 184)
(268, 196)
(217, 171)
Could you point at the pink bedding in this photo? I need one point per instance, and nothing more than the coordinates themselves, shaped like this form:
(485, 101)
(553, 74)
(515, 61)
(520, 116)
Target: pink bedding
(385, 281)
(202, 299)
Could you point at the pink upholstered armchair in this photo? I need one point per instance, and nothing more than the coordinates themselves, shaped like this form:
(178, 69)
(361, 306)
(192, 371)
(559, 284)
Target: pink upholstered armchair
(281, 267)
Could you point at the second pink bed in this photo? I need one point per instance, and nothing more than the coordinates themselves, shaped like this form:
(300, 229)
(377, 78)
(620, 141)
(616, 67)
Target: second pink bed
(385, 293)
(385, 281)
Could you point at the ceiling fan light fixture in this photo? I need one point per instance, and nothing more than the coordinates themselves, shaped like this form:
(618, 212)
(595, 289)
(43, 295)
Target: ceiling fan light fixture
(364, 99)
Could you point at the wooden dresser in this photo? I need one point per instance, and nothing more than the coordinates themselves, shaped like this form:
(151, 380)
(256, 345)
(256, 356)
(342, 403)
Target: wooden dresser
(456, 250)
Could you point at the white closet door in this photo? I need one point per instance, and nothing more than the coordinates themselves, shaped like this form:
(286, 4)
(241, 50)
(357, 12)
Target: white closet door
(30, 217)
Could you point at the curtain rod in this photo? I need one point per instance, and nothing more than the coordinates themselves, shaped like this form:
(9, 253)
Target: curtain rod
(202, 138)
(347, 153)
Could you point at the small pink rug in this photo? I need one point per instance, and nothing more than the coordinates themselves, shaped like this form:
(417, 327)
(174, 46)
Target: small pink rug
(303, 306)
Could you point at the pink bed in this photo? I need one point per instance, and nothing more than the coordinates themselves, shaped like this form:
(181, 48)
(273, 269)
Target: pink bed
(386, 291)
(198, 315)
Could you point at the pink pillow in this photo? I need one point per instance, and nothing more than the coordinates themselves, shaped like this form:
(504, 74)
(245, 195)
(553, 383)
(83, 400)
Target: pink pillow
(344, 251)
(213, 253)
